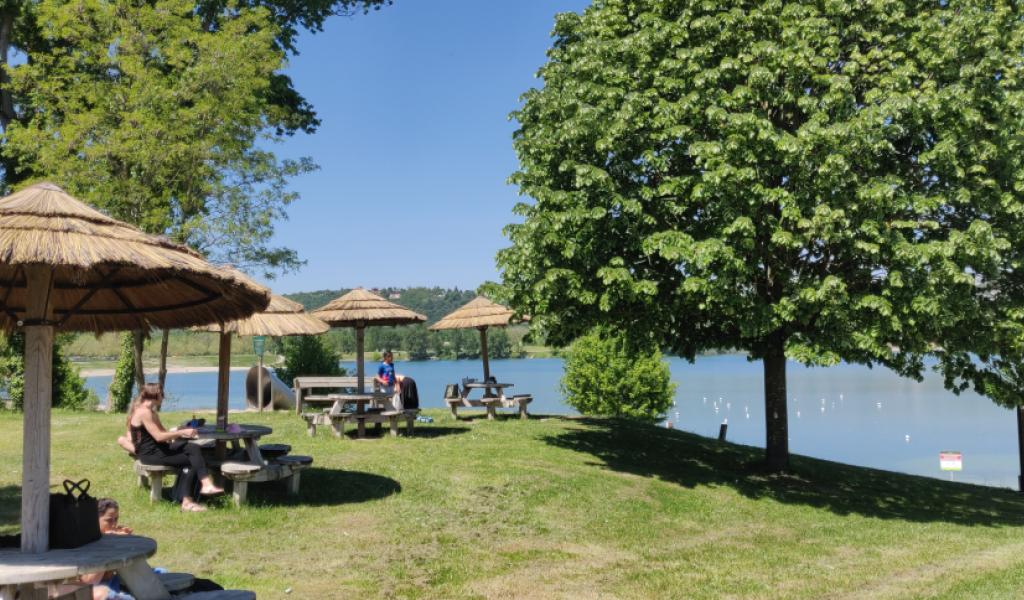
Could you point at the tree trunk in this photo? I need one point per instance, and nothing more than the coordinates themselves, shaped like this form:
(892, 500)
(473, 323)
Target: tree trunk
(776, 419)
(162, 373)
(6, 98)
(1020, 446)
(138, 340)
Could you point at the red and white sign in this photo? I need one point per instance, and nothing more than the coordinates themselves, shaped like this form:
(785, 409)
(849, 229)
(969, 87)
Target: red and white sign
(951, 461)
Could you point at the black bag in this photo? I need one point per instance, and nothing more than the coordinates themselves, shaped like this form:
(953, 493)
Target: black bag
(74, 520)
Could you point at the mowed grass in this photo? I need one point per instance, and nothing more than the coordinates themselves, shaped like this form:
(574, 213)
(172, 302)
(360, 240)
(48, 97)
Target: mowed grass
(557, 508)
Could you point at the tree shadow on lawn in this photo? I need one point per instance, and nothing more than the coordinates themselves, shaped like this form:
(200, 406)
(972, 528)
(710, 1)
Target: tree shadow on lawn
(689, 460)
(327, 487)
(425, 431)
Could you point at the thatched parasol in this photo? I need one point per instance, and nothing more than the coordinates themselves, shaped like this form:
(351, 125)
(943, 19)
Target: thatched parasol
(361, 309)
(283, 317)
(479, 313)
(65, 266)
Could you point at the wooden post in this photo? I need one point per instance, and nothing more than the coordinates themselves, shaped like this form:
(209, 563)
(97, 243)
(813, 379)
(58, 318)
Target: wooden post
(483, 352)
(360, 371)
(35, 463)
(259, 384)
(223, 378)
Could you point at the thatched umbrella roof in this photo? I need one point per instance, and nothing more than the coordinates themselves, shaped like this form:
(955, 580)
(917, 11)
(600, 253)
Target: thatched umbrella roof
(283, 317)
(360, 308)
(478, 312)
(107, 275)
(65, 266)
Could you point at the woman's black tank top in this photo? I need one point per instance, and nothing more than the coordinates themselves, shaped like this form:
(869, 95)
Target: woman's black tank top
(144, 442)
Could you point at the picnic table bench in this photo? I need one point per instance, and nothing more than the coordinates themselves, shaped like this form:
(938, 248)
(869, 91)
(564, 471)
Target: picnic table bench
(455, 397)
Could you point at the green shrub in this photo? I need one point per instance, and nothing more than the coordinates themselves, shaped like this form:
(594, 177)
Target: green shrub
(69, 389)
(119, 394)
(605, 374)
(307, 355)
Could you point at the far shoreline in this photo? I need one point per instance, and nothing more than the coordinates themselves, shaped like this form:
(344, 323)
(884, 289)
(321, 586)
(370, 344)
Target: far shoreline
(109, 372)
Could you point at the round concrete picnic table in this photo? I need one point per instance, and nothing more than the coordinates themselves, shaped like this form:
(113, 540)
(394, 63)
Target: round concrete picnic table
(125, 554)
(249, 434)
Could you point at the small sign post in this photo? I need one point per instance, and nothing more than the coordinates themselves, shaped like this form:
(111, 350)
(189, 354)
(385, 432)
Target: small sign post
(259, 344)
(950, 460)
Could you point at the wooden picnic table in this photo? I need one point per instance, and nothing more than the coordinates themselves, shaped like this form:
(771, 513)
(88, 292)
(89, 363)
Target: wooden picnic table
(125, 554)
(489, 399)
(360, 400)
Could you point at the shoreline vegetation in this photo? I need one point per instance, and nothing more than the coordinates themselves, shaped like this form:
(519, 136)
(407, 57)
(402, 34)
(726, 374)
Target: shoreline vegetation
(577, 507)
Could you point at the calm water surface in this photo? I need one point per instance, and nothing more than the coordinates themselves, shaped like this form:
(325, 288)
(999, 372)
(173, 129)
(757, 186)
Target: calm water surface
(847, 413)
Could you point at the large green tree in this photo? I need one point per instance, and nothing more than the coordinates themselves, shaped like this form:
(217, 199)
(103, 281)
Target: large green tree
(822, 181)
(288, 111)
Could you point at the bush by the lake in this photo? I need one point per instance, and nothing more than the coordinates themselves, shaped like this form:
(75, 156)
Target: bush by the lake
(307, 355)
(119, 394)
(69, 389)
(607, 374)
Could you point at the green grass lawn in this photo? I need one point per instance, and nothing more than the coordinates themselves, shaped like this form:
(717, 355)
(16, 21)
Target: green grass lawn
(558, 508)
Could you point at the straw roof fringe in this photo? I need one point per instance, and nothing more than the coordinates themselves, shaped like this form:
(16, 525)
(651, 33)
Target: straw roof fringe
(108, 275)
(360, 308)
(478, 312)
(283, 317)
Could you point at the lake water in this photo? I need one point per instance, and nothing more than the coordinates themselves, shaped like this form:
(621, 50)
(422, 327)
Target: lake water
(847, 413)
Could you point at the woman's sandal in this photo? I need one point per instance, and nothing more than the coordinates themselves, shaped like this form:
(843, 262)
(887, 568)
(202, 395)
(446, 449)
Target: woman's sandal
(213, 492)
(193, 507)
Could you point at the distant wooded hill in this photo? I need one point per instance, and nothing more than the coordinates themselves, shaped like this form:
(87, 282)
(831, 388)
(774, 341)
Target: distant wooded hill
(433, 302)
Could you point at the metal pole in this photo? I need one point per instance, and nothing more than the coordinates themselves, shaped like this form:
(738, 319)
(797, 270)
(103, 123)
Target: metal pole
(259, 384)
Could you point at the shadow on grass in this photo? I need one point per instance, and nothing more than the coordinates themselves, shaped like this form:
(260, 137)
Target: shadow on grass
(689, 460)
(425, 431)
(10, 509)
(328, 487)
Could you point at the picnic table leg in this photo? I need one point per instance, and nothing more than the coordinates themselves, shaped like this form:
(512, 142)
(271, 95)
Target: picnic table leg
(293, 483)
(7, 592)
(408, 424)
(252, 448)
(455, 411)
(393, 425)
(522, 410)
(311, 427)
(139, 577)
(338, 427)
(156, 487)
(239, 492)
(491, 413)
(360, 427)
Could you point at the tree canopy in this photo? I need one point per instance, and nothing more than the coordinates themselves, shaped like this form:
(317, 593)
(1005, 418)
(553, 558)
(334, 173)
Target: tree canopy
(819, 181)
(140, 110)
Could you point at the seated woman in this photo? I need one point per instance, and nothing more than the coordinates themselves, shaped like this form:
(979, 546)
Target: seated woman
(107, 585)
(151, 443)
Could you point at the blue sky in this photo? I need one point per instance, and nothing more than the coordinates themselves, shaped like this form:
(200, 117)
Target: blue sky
(415, 145)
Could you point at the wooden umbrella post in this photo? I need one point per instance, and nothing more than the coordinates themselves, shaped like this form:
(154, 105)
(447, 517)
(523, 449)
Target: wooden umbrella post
(360, 370)
(35, 482)
(223, 378)
(483, 354)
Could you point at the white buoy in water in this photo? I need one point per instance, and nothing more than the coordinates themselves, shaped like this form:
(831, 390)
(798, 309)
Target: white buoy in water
(822, 409)
(878, 404)
(907, 438)
(728, 406)
(798, 414)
